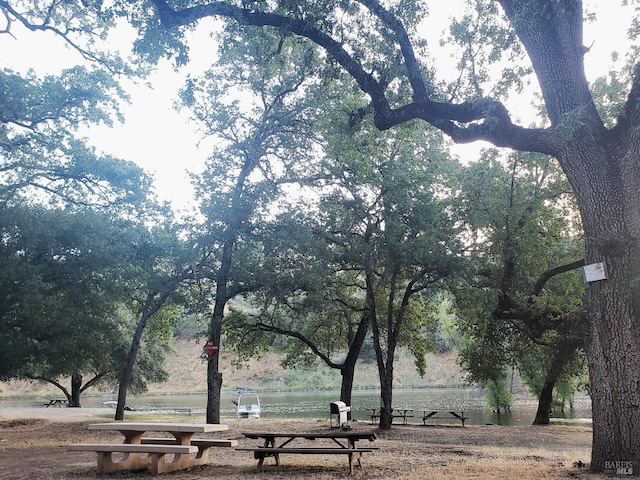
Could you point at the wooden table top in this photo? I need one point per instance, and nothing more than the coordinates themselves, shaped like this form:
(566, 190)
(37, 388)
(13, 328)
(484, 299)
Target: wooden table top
(159, 427)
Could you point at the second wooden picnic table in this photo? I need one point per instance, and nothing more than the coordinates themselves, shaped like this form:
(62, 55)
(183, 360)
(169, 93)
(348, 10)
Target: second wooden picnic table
(275, 444)
(402, 413)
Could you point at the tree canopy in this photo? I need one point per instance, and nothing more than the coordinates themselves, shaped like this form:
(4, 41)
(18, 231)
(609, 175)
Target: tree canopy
(380, 47)
(41, 152)
(65, 311)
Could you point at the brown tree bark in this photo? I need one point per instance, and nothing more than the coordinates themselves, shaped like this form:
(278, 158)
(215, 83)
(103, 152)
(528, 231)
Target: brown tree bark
(152, 304)
(76, 386)
(348, 368)
(214, 375)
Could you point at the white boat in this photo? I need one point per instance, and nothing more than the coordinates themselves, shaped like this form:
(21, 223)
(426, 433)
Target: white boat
(248, 405)
(113, 404)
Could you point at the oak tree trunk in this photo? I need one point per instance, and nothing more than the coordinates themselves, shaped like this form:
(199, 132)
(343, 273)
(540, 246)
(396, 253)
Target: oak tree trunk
(214, 375)
(609, 204)
(545, 400)
(564, 352)
(349, 365)
(76, 389)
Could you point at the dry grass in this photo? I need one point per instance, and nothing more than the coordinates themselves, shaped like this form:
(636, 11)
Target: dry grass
(35, 448)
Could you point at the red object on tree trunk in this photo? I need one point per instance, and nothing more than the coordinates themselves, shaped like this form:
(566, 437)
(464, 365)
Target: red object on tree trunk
(211, 348)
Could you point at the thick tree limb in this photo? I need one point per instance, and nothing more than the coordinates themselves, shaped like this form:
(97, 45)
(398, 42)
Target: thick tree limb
(630, 117)
(483, 119)
(549, 274)
(525, 318)
(411, 63)
(264, 327)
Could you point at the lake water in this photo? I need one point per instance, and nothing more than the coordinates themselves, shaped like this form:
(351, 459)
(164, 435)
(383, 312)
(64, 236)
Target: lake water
(316, 404)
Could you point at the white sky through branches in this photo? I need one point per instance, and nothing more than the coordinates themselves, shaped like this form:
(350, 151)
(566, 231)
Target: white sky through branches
(165, 143)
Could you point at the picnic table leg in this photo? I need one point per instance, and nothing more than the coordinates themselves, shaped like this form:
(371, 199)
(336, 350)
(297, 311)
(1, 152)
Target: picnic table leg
(358, 457)
(269, 442)
(275, 455)
(202, 456)
(129, 461)
(260, 456)
(180, 461)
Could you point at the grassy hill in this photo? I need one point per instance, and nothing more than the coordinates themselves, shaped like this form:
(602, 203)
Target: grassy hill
(187, 374)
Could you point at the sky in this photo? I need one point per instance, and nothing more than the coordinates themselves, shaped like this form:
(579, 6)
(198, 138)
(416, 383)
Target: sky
(165, 143)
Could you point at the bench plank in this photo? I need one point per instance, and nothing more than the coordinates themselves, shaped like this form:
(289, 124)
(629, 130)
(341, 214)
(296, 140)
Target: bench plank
(306, 450)
(132, 448)
(262, 452)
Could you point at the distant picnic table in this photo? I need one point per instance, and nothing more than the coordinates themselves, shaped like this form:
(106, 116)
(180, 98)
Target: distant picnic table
(403, 413)
(57, 402)
(428, 415)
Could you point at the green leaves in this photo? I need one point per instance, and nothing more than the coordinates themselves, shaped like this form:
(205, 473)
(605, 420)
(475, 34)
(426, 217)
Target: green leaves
(521, 222)
(60, 291)
(40, 152)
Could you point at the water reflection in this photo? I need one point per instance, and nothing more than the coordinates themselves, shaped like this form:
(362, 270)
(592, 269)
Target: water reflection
(316, 404)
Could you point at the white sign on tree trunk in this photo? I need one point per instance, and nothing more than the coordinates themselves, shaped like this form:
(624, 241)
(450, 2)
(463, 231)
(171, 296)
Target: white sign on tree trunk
(594, 272)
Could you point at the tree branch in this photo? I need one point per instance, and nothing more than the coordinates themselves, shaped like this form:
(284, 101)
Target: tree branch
(549, 274)
(297, 335)
(411, 63)
(630, 117)
(483, 119)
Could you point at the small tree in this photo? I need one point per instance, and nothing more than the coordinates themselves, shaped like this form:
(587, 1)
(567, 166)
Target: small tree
(498, 392)
(261, 145)
(521, 226)
(64, 287)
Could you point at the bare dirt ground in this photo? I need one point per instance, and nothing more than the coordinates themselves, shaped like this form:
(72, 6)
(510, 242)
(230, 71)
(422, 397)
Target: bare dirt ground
(33, 441)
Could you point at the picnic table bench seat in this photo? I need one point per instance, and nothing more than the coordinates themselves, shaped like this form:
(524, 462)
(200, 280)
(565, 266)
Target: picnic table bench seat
(198, 442)
(203, 444)
(155, 460)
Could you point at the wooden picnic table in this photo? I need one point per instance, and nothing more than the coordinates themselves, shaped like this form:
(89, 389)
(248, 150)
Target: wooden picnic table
(402, 413)
(446, 415)
(57, 402)
(343, 443)
(147, 452)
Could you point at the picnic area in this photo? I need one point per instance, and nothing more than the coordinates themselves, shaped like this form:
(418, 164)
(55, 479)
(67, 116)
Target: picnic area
(33, 444)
